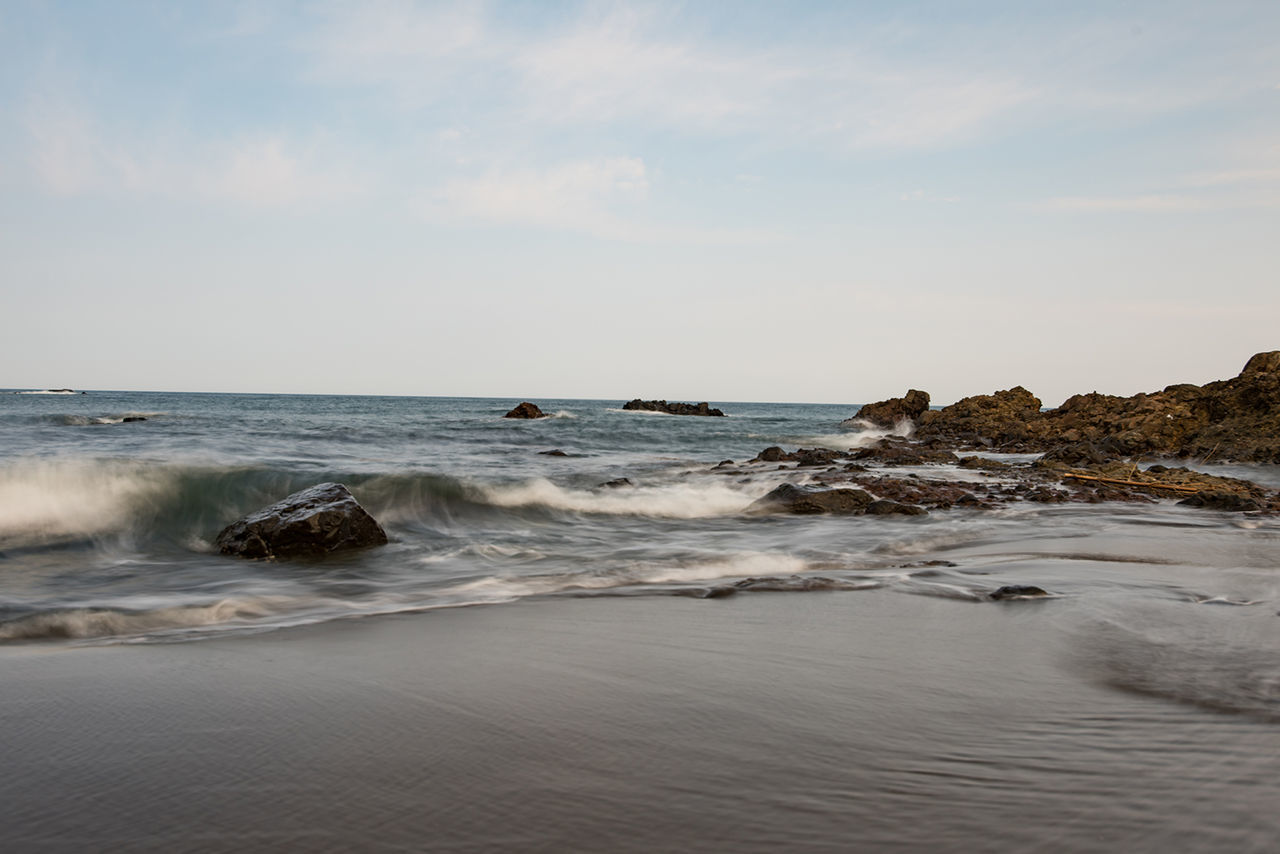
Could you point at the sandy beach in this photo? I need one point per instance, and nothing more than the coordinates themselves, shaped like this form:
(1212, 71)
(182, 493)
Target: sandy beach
(798, 722)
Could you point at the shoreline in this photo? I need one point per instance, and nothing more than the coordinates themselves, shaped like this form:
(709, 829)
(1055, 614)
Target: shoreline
(801, 722)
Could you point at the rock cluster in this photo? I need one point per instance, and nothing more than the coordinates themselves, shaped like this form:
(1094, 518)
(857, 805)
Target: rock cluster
(1235, 419)
(671, 408)
(313, 522)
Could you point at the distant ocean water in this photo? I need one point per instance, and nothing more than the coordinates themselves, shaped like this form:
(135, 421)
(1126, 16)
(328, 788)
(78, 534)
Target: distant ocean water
(107, 525)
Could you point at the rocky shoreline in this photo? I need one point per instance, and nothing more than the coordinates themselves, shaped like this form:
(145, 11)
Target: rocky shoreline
(1228, 420)
(1093, 448)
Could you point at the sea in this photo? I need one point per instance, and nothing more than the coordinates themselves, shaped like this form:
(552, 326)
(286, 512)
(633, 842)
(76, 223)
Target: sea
(111, 502)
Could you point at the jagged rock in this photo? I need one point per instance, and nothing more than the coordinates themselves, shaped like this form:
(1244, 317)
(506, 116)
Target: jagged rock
(671, 408)
(526, 410)
(1002, 416)
(313, 522)
(789, 498)
(1235, 419)
(887, 413)
(773, 454)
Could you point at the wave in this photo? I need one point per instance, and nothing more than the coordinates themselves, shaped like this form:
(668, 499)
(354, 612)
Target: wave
(91, 420)
(864, 435)
(83, 623)
(681, 572)
(59, 500)
(50, 391)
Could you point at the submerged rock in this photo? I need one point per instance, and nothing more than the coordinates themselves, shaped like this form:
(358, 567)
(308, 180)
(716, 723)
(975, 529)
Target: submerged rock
(671, 408)
(310, 523)
(789, 498)
(526, 410)
(1017, 591)
(1221, 499)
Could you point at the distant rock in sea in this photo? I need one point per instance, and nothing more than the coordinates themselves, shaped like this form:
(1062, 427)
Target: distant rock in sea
(703, 408)
(526, 410)
(313, 522)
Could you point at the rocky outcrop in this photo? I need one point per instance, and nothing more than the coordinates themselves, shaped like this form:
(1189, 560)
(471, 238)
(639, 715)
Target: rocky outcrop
(671, 408)
(526, 410)
(1000, 418)
(1235, 419)
(310, 523)
(888, 413)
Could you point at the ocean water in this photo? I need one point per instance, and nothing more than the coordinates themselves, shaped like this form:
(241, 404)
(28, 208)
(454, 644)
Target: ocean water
(107, 524)
(1134, 708)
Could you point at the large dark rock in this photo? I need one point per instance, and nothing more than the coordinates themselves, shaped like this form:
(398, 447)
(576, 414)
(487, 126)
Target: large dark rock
(526, 410)
(671, 408)
(313, 522)
(887, 413)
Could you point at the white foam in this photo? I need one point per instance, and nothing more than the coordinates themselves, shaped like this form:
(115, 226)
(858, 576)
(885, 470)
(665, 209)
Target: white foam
(690, 500)
(94, 623)
(865, 435)
(739, 565)
(47, 499)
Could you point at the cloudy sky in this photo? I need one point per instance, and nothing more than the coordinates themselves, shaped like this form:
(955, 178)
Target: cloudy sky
(737, 201)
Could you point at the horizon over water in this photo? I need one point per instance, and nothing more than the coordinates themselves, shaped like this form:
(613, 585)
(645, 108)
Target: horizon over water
(1163, 616)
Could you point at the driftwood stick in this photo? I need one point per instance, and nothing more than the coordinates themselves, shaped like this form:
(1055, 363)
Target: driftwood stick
(1118, 482)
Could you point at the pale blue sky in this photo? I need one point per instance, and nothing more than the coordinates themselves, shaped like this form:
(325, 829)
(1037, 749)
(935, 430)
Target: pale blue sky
(764, 201)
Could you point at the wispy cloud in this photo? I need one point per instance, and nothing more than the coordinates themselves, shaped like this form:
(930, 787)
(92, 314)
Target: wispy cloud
(629, 67)
(72, 155)
(580, 195)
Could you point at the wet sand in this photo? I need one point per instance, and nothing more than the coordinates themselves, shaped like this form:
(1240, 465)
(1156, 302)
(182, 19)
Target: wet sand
(872, 721)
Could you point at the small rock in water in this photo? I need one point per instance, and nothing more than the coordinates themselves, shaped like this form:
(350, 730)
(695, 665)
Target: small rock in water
(1017, 591)
(310, 523)
(552, 453)
(129, 419)
(614, 484)
(526, 410)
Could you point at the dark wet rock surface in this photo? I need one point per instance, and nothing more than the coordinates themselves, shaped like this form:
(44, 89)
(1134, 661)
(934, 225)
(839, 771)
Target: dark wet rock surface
(313, 522)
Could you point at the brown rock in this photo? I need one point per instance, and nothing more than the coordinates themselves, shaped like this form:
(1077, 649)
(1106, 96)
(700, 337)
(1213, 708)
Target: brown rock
(526, 410)
(887, 413)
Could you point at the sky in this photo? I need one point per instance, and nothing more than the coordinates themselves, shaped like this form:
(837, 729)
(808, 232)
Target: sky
(816, 202)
